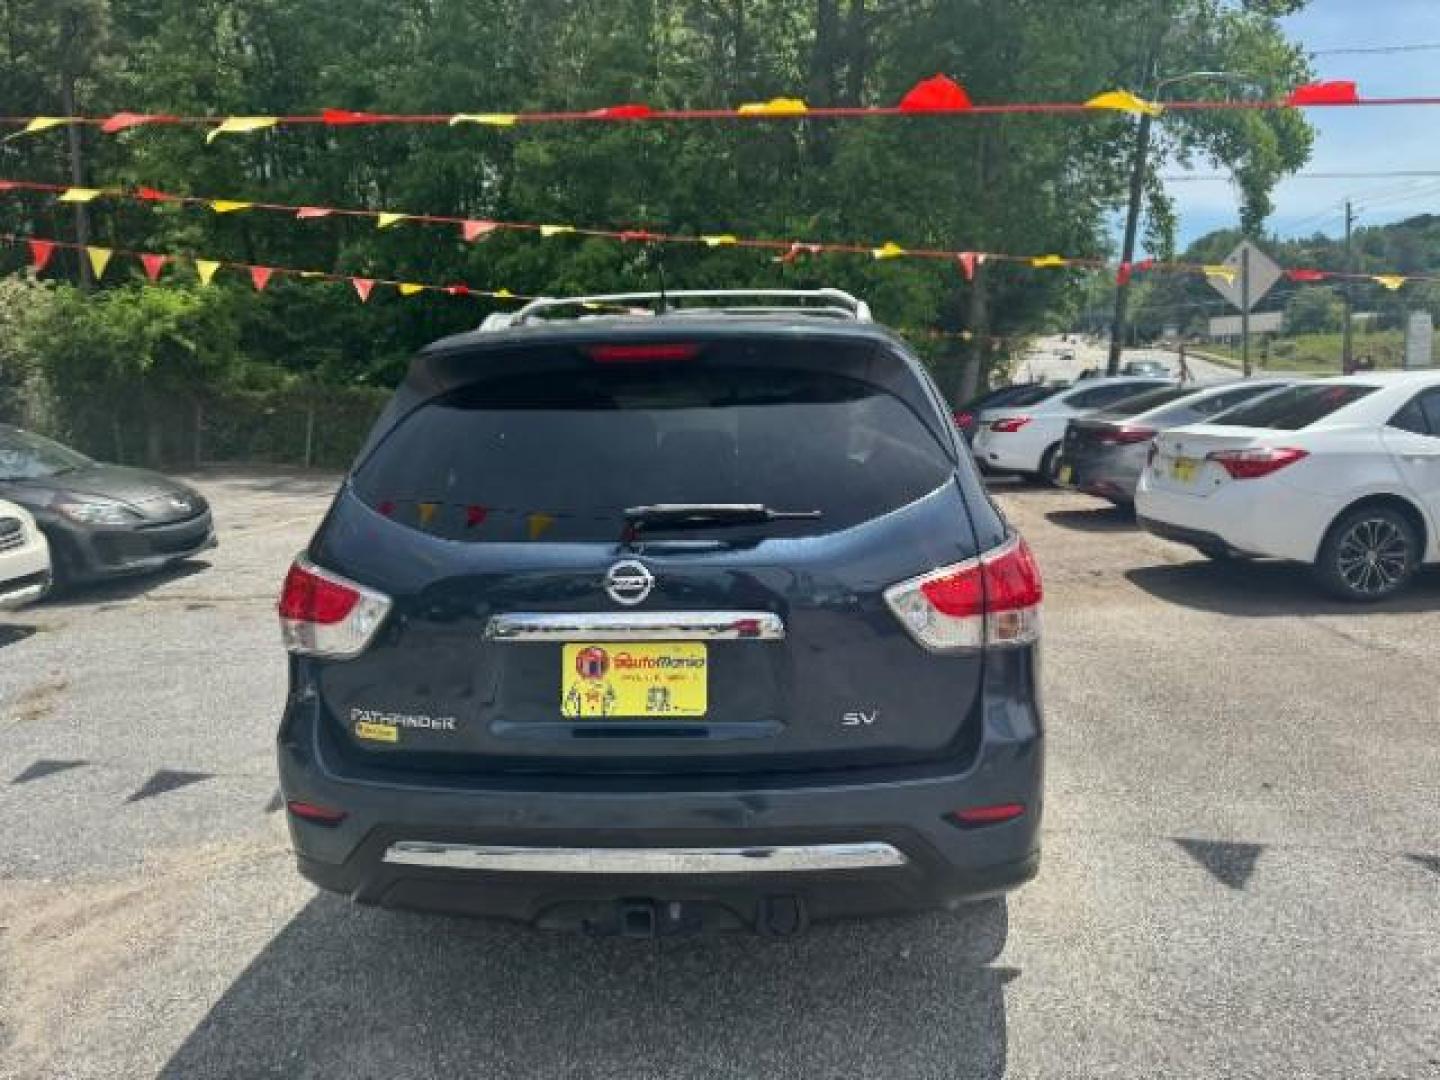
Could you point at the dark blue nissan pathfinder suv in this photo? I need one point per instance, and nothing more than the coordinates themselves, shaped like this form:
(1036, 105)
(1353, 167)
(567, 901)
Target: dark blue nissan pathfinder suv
(675, 615)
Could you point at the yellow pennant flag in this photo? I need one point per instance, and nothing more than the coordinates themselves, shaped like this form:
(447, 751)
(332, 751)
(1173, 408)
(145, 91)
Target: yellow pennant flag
(1391, 281)
(206, 269)
(99, 259)
(492, 119)
(39, 123)
(80, 194)
(1043, 262)
(779, 106)
(1126, 102)
(1220, 270)
(548, 231)
(410, 289)
(227, 206)
(240, 125)
(720, 240)
(312, 273)
(503, 293)
(427, 511)
(888, 250)
(537, 525)
(385, 220)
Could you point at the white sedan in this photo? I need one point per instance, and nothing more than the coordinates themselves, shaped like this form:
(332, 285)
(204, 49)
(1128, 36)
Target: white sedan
(24, 558)
(1026, 439)
(1343, 474)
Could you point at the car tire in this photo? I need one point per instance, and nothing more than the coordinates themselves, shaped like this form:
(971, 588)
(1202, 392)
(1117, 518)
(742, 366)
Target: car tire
(1369, 554)
(1049, 473)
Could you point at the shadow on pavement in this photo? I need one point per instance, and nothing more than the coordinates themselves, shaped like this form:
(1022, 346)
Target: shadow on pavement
(11, 634)
(1102, 519)
(1269, 588)
(354, 992)
(126, 588)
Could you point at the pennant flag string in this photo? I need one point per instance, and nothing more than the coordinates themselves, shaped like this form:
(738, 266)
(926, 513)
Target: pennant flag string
(938, 95)
(786, 251)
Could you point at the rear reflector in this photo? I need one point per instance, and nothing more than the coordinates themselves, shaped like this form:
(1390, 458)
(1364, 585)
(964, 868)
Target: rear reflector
(986, 815)
(1253, 464)
(642, 354)
(324, 614)
(1126, 436)
(964, 419)
(320, 815)
(992, 600)
(1009, 425)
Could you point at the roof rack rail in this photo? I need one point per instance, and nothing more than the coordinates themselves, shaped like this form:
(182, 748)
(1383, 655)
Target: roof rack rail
(834, 303)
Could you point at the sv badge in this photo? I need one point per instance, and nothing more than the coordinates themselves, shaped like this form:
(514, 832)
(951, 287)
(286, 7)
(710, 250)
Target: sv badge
(860, 718)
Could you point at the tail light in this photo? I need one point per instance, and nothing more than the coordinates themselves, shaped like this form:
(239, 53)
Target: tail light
(314, 812)
(1009, 425)
(976, 816)
(964, 419)
(324, 614)
(1126, 436)
(642, 354)
(992, 600)
(1253, 464)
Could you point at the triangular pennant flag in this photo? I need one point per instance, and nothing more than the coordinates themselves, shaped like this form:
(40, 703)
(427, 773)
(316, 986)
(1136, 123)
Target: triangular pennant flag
(1126, 102)
(41, 123)
(936, 94)
(1390, 281)
(1220, 270)
(504, 294)
(206, 268)
(548, 231)
(40, 252)
(968, 261)
(427, 511)
(1123, 274)
(475, 515)
(623, 112)
(719, 240)
(459, 290)
(639, 236)
(150, 194)
(228, 206)
(1043, 262)
(492, 119)
(476, 230)
(313, 273)
(260, 277)
(1304, 275)
(780, 106)
(240, 125)
(99, 259)
(123, 121)
(887, 250)
(363, 286)
(409, 288)
(336, 117)
(537, 525)
(153, 265)
(384, 220)
(1336, 92)
(305, 213)
(80, 194)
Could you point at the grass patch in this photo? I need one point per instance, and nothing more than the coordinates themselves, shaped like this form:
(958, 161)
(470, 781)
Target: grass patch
(1318, 353)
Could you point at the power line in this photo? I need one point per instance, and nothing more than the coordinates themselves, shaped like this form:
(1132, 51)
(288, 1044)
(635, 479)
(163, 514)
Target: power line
(1372, 50)
(1188, 178)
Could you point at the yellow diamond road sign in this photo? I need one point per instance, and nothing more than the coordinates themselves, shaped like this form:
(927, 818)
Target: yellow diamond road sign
(1264, 273)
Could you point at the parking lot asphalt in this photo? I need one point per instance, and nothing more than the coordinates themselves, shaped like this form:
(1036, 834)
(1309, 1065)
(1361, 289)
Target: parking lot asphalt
(1241, 874)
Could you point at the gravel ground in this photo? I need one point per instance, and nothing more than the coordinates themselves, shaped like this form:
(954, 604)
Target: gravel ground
(1241, 876)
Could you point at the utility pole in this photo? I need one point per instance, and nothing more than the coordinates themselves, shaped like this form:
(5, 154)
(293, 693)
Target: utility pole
(1347, 359)
(70, 44)
(1245, 311)
(1127, 254)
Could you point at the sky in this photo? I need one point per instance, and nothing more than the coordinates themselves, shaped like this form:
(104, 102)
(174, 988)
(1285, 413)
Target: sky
(1349, 140)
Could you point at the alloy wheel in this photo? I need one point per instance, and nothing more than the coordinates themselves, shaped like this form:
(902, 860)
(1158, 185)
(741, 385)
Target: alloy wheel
(1373, 557)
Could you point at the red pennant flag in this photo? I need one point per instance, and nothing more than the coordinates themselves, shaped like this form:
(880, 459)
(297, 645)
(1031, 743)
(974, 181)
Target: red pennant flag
(1144, 265)
(150, 194)
(475, 230)
(260, 277)
(1306, 275)
(458, 290)
(6, 185)
(336, 117)
(1122, 275)
(623, 112)
(638, 236)
(306, 212)
(153, 265)
(123, 120)
(40, 252)
(1337, 92)
(363, 287)
(475, 515)
(969, 260)
(936, 94)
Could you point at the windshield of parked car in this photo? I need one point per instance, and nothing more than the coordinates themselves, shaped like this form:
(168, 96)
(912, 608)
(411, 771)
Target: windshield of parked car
(26, 456)
(1295, 408)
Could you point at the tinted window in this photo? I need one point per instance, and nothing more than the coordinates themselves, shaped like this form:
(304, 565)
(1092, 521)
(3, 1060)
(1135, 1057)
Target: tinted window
(1412, 418)
(1030, 395)
(1150, 399)
(26, 456)
(1204, 405)
(1430, 402)
(561, 455)
(1295, 408)
(1105, 395)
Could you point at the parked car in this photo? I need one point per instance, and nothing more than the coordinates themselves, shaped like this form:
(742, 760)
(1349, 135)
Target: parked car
(1019, 394)
(1105, 451)
(1343, 474)
(24, 558)
(101, 520)
(1157, 368)
(645, 625)
(1027, 439)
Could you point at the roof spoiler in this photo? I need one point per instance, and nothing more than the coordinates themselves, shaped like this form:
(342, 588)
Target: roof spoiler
(826, 303)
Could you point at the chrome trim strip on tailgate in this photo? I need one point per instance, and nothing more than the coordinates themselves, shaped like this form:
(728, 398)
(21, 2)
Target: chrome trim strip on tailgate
(636, 626)
(806, 857)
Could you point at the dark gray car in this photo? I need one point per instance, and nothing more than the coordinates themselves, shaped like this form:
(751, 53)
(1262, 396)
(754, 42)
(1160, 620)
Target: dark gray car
(649, 625)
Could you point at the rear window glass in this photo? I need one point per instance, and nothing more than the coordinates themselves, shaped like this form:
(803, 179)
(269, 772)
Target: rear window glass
(1030, 395)
(1151, 399)
(1107, 394)
(1202, 405)
(1295, 408)
(560, 456)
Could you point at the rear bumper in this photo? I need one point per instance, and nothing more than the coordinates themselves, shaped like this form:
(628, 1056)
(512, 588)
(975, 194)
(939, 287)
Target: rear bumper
(1112, 476)
(1265, 518)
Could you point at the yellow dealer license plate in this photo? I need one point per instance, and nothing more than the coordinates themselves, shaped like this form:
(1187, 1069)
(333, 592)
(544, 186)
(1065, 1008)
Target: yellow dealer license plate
(668, 680)
(1184, 468)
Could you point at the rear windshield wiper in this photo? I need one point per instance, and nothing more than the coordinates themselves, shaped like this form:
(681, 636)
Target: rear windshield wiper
(702, 515)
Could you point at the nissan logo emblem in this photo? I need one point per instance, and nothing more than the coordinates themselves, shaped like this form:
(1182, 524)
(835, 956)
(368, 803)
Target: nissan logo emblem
(628, 582)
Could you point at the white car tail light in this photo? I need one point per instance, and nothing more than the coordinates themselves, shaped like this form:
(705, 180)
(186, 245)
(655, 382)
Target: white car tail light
(990, 600)
(324, 614)
(1009, 425)
(1253, 464)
